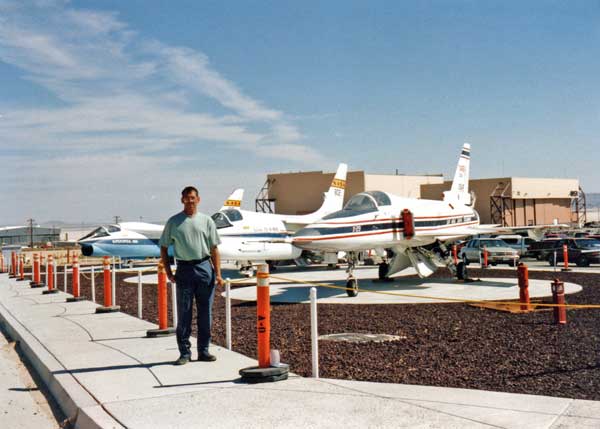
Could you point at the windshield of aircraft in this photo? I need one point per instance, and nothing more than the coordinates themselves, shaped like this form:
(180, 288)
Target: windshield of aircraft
(102, 231)
(362, 203)
(233, 215)
(221, 220)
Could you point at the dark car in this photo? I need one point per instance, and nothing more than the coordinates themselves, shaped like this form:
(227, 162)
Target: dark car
(541, 249)
(581, 251)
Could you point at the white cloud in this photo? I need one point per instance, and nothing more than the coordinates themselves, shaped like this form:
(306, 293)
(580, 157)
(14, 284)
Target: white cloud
(123, 100)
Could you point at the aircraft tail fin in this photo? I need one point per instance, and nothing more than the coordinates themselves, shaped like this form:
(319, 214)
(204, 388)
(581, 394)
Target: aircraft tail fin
(235, 200)
(334, 197)
(459, 192)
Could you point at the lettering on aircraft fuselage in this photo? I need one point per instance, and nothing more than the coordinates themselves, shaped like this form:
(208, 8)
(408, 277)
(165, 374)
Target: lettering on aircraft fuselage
(125, 241)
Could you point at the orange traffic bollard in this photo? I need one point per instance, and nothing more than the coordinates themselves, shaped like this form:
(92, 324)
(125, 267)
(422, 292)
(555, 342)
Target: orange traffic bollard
(13, 272)
(21, 268)
(523, 276)
(1, 263)
(107, 307)
(565, 258)
(264, 371)
(75, 282)
(485, 258)
(50, 276)
(455, 254)
(36, 282)
(263, 316)
(558, 297)
(163, 328)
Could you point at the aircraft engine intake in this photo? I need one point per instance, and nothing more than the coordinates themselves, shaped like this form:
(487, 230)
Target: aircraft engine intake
(86, 249)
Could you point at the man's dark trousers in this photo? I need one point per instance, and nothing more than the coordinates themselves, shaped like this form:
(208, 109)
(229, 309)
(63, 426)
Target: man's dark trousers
(194, 280)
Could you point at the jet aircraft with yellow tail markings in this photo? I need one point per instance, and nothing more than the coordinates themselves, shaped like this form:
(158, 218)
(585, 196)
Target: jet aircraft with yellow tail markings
(248, 236)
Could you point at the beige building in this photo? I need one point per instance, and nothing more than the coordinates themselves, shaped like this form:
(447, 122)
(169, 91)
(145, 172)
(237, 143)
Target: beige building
(520, 201)
(301, 193)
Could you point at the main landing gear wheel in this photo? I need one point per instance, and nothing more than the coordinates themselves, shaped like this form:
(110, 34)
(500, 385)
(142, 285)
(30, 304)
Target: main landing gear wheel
(461, 271)
(352, 287)
(384, 267)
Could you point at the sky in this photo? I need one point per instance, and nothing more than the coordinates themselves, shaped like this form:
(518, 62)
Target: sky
(109, 108)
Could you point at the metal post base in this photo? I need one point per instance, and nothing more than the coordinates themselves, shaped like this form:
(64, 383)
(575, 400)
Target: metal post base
(20, 279)
(153, 333)
(565, 269)
(46, 292)
(75, 299)
(111, 309)
(255, 374)
(36, 285)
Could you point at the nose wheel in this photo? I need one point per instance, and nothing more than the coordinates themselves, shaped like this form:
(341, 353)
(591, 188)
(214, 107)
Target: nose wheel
(352, 287)
(352, 283)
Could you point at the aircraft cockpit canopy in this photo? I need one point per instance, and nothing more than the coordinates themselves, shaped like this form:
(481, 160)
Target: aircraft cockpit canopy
(362, 203)
(224, 218)
(102, 231)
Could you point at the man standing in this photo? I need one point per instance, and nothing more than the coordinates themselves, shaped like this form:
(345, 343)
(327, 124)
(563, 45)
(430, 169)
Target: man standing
(194, 238)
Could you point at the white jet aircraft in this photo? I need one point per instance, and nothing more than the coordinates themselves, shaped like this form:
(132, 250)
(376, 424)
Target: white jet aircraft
(412, 230)
(248, 236)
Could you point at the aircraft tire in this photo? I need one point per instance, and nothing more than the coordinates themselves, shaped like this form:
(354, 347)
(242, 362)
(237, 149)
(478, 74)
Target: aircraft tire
(384, 267)
(352, 288)
(461, 271)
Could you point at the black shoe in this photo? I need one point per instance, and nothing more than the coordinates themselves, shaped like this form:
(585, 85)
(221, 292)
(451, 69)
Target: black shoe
(206, 357)
(182, 360)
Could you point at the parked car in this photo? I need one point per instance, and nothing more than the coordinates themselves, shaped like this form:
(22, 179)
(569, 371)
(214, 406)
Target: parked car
(541, 249)
(519, 243)
(581, 251)
(498, 252)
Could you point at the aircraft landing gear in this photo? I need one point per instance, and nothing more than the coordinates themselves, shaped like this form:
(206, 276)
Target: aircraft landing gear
(384, 268)
(352, 287)
(461, 271)
(247, 270)
(352, 283)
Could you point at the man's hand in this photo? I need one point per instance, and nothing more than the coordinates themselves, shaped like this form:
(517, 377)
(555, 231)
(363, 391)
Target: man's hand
(219, 280)
(171, 277)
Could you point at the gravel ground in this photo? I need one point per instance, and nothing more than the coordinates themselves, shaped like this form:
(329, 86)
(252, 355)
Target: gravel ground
(451, 345)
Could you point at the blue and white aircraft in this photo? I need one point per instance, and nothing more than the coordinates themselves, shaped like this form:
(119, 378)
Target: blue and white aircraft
(128, 240)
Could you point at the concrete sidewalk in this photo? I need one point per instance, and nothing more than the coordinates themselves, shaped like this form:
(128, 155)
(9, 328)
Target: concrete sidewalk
(105, 373)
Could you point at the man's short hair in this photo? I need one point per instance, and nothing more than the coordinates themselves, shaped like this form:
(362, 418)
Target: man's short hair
(189, 189)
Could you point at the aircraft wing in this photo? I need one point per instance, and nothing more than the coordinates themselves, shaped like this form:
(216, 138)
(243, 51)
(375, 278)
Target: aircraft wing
(535, 231)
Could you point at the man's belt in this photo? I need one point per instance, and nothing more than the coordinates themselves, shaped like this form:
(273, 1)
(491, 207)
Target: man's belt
(193, 261)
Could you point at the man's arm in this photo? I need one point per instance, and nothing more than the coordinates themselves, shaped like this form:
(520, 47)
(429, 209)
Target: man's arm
(216, 261)
(164, 257)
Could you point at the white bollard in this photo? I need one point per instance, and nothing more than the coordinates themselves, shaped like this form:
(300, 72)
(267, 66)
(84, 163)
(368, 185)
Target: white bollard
(93, 285)
(140, 294)
(65, 278)
(228, 312)
(174, 302)
(114, 282)
(314, 332)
